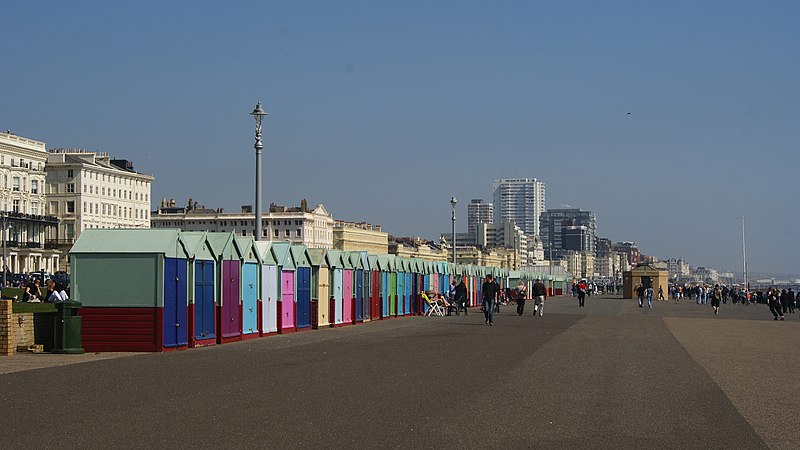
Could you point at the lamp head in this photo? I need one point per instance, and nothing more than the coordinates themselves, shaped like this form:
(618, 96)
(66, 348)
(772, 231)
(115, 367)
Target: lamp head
(258, 114)
(453, 201)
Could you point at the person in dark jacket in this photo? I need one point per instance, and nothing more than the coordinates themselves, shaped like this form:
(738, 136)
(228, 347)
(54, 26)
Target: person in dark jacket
(461, 296)
(539, 295)
(489, 299)
(520, 294)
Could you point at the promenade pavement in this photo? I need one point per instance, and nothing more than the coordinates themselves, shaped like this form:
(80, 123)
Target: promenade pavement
(610, 375)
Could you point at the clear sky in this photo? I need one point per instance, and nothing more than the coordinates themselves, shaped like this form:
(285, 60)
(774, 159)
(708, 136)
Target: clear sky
(384, 110)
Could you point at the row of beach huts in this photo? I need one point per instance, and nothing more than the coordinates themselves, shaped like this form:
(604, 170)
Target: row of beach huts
(153, 290)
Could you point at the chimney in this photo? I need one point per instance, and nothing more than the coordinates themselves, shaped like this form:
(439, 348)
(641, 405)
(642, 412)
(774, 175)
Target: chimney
(303, 205)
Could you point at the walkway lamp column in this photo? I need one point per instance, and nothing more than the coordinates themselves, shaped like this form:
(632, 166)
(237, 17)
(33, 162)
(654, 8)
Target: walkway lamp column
(453, 202)
(258, 114)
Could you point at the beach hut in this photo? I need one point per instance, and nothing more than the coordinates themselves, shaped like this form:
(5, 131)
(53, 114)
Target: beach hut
(282, 253)
(385, 277)
(364, 285)
(251, 266)
(229, 266)
(302, 264)
(358, 285)
(268, 297)
(336, 264)
(348, 294)
(376, 301)
(146, 309)
(201, 289)
(320, 288)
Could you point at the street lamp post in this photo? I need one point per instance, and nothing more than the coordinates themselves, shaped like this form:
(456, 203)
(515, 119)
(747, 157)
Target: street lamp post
(453, 202)
(4, 249)
(258, 114)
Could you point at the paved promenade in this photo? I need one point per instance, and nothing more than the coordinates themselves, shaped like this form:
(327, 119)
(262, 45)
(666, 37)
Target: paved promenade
(610, 375)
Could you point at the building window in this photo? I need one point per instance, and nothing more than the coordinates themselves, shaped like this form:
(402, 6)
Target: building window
(104, 191)
(15, 184)
(70, 207)
(297, 233)
(16, 206)
(84, 206)
(70, 188)
(70, 173)
(54, 208)
(35, 208)
(34, 186)
(70, 230)
(287, 233)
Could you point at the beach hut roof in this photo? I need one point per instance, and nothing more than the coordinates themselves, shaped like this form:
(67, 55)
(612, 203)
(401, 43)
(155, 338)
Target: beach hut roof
(283, 254)
(318, 257)
(168, 242)
(265, 253)
(300, 255)
(197, 245)
(249, 251)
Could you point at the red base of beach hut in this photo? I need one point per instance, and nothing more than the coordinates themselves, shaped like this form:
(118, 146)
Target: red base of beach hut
(123, 330)
(193, 341)
(332, 311)
(225, 340)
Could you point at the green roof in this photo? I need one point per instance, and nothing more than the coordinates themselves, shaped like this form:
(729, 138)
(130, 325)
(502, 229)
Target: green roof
(197, 245)
(265, 253)
(283, 255)
(317, 257)
(224, 245)
(248, 249)
(160, 241)
(336, 259)
(300, 255)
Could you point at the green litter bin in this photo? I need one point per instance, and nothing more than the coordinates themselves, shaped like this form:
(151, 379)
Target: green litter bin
(68, 328)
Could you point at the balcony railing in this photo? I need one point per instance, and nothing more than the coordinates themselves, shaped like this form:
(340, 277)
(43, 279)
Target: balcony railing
(34, 217)
(55, 243)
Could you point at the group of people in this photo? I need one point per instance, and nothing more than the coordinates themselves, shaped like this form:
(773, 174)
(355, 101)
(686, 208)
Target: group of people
(780, 301)
(492, 298)
(53, 292)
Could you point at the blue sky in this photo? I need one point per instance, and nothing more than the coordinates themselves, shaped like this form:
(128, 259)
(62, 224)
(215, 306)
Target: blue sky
(384, 110)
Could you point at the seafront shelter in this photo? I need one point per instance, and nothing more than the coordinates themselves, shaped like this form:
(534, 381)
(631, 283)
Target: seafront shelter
(648, 276)
(143, 311)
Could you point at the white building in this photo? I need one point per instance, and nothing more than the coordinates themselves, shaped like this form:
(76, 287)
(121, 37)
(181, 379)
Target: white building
(91, 190)
(520, 200)
(479, 211)
(313, 228)
(27, 231)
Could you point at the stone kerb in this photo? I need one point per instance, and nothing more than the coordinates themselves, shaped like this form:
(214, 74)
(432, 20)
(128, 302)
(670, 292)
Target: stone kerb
(7, 332)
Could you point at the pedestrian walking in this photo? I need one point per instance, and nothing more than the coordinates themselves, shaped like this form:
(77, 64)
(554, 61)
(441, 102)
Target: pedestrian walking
(581, 293)
(716, 296)
(520, 294)
(489, 297)
(461, 296)
(640, 294)
(774, 301)
(539, 295)
(650, 297)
